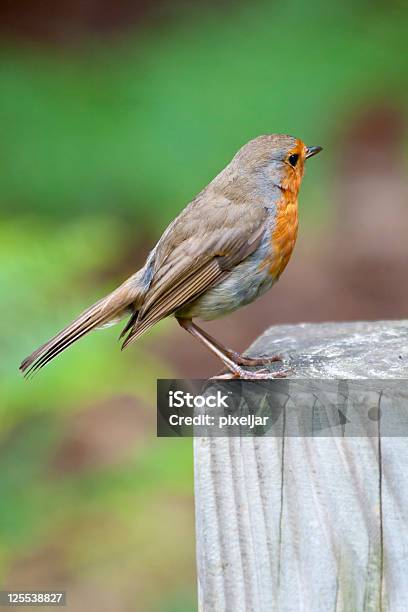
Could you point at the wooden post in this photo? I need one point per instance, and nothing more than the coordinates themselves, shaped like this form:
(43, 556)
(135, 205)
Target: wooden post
(313, 524)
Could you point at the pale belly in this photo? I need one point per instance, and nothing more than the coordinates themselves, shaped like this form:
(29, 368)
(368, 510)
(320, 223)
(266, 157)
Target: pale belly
(257, 273)
(248, 281)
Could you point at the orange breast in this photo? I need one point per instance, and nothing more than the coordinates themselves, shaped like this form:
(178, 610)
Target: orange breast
(283, 236)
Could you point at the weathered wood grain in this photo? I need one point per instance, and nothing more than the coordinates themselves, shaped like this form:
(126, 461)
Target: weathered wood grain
(316, 524)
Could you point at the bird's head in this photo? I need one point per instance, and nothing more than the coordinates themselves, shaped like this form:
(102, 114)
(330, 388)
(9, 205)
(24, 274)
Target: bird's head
(275, 159)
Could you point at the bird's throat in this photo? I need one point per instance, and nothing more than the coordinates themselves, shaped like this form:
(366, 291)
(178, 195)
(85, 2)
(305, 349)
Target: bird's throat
(284, 234)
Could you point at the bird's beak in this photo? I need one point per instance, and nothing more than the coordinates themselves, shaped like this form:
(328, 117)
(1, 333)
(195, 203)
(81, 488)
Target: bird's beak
(313, 151)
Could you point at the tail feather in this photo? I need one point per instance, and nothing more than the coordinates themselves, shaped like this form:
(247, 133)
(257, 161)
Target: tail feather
(109, 310)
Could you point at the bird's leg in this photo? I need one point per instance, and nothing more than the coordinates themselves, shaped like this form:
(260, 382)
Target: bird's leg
(195, 331)
(226, 356)
(234, 356)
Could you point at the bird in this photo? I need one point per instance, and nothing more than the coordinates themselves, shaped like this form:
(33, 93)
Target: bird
(226, 248)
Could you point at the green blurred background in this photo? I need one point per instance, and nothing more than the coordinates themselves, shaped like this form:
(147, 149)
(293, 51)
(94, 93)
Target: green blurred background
(113, 115)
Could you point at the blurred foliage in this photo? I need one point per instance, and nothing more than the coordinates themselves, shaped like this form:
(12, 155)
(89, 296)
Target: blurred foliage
(100, 147)
(44, 271)
(139, 127)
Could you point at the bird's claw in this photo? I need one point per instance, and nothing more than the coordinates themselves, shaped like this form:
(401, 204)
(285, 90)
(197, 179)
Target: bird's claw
(241, 374)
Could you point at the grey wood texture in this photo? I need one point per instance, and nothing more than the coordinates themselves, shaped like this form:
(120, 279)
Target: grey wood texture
(294, 524)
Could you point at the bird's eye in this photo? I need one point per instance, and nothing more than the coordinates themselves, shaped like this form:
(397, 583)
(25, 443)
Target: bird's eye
(292, 159)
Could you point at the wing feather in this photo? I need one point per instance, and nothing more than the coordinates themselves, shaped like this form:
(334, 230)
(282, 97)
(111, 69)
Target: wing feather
(169, 302)
(190, 269)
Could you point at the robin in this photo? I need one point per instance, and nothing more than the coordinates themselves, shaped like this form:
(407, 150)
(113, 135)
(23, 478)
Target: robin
(224, 250)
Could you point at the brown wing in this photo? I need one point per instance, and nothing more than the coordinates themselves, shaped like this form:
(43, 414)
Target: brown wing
(188, 262)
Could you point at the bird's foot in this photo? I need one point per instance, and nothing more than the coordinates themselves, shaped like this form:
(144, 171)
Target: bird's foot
(241, 374)
(242, 360)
